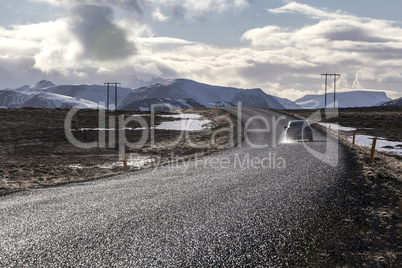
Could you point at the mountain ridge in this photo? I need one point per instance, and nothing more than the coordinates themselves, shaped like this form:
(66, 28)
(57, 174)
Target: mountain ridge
(203, 94)
(179, 93)
(356, 98)
(396, 102)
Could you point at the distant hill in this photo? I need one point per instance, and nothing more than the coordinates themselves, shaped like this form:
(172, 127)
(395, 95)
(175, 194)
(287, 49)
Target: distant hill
(396, 102)
(45, 94)
(184, 93)
(288, 104)
(343, 99)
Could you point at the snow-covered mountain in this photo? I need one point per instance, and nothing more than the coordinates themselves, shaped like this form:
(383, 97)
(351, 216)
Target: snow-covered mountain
(41, 85)
(288, 104)
(45, 94)
(51, 100)
(343, 99)
(396, 102)
(13, 98)
(184, 93)
(94, 93)
(10, 98)
(178, 93)
(160, 104)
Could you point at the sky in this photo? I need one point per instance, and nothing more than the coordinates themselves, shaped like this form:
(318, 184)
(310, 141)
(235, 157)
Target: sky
(280, 46)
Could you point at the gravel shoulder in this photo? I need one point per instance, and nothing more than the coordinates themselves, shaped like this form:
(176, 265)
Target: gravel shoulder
(376, 237)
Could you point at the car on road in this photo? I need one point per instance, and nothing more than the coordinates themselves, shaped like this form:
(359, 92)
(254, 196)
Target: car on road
(299, 130)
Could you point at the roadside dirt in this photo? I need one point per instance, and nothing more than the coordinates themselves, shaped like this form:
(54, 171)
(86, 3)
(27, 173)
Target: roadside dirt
(35, 153)
(372, 236)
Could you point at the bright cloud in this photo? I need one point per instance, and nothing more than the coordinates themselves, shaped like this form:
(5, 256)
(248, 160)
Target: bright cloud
(338, 43)
(295, 8)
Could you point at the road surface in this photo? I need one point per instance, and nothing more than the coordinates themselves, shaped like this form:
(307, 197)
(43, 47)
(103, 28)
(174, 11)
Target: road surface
(238, 207)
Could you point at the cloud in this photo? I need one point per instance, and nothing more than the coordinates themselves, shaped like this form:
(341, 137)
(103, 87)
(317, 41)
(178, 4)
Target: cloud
(99, 36)
(17, 68)
(270, 36)
(195, 10)
(84, 42)
(158, 16)
(90, 45)
(190, 11)
(336, 43)
(312, 12)
(131, 5)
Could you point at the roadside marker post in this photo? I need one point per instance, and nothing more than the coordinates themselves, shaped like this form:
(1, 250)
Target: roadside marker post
(354, 138)
(124, 158)
(372, 150)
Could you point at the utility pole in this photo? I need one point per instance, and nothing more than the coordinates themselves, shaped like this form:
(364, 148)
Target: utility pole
(325, 89)
(115, 94)
(330, 76)
(107, 98)
(335, 76)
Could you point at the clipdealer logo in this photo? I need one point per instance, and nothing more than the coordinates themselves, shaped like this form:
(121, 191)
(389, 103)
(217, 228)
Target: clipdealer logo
(270, 126)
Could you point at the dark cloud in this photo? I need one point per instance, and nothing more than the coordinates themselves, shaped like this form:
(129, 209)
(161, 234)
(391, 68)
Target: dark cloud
(130, 5)
(127, 4)
(191, 12)
(185, 15)
(16, 72)
(100, 37)
(357, 34)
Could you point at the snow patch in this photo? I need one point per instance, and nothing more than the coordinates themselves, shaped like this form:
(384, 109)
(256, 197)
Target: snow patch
(183, 116)
(337, 127)
(392, 146)
(184, 125)
(133, 161)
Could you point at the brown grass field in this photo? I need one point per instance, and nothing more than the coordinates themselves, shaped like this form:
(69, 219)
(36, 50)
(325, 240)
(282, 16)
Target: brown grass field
(35, 153)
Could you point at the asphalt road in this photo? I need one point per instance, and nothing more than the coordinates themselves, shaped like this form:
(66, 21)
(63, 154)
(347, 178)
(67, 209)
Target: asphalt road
(243, 206)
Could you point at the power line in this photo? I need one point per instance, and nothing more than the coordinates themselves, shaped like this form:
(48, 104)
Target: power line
(115, 94)
(330, 76)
